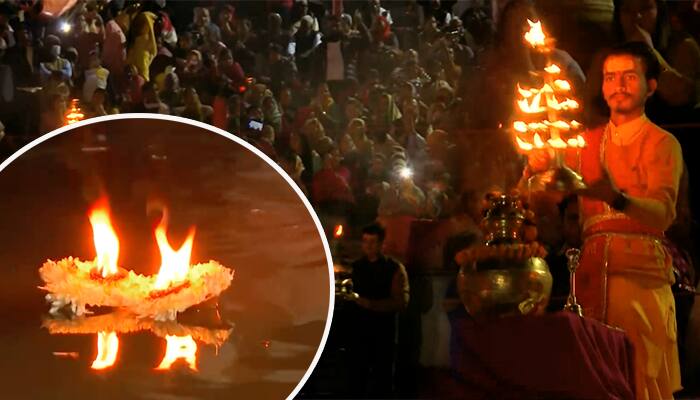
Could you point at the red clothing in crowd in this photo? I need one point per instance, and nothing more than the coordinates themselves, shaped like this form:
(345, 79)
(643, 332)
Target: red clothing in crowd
(220, 116)
(328, 186)
(235, 73)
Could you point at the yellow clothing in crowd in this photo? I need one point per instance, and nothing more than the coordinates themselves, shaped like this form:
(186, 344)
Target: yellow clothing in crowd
(144, 48)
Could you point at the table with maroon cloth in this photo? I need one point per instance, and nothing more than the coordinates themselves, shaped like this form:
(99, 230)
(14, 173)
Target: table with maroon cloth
(557, 356)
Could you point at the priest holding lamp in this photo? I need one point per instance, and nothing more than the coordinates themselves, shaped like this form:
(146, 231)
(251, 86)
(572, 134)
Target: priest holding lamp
(632, 170)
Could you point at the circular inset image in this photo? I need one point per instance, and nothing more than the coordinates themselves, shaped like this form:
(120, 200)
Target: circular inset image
(154, 257)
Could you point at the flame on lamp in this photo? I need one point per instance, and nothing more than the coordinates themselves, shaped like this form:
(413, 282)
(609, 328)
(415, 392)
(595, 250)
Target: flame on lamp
(74, 114)
(179, 347)
(525, 93)
(523, 144)
(107, 349)
(534, 106)
(535, 36)
(552, 69)
(562, 84)
(106, 240)
(557, 143)
(338, 231)
(561, 125)
(520, 126)
(175, 264)
(567, 104)
(534, 126)
(537, 140)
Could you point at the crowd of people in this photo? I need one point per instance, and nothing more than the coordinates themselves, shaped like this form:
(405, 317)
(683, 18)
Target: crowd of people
(375, 109)
(371, 110)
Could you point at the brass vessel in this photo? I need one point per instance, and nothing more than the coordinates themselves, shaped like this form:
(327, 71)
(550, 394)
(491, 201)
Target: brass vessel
(504, 280)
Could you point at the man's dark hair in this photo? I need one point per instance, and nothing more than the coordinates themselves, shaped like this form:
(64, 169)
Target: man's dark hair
(640, 50)
(288, 156)
(564, 204)
(375, 229)
(150, 85)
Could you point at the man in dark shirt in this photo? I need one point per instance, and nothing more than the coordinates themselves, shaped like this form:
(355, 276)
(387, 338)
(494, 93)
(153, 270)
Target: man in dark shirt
(556, 259)
(279, 69)
(381, 287)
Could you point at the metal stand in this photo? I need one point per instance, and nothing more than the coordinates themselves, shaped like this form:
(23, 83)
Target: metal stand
(572, 305)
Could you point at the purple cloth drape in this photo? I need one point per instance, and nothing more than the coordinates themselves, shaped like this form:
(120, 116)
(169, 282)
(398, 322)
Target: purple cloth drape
(553, 356)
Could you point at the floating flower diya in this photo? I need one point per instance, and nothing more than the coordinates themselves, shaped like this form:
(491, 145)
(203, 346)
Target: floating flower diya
(177, 286)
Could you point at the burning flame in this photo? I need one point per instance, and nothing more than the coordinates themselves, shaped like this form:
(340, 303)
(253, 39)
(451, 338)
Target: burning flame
(338, 232)
(525, 93)
(562, 84)
(175, 264)
(74, 114)
(538, 141)
(561, 125)
(535, 36)
(546, 133)
(523, 144)
(557, 143)
(567, 104)
(520, 126)
(107, 349)
(552, 69)
(179, 347)
(106, 241)
(534, 106)
(534, 126)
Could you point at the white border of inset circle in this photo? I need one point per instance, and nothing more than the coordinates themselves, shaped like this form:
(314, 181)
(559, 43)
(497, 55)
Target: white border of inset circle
(250, 147)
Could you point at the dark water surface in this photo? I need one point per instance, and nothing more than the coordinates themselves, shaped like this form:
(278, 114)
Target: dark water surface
(247, 218)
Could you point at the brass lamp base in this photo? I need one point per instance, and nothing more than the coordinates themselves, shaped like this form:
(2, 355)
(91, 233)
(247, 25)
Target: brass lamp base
(560, 179)
(574, 308)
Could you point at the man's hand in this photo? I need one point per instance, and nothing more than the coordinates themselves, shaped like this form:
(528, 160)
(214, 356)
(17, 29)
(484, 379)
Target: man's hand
(641, 35)
(603, 189)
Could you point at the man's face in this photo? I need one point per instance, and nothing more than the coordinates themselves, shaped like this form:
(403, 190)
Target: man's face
(572, 230)
(285, 97)
(333, 159)
(625, 88)
(185, 42)
(642, 13)
(371, 245)
(225, 17)
(151, 95)
(226, 58)
(274, 22)
(323, 91)
(202, 17)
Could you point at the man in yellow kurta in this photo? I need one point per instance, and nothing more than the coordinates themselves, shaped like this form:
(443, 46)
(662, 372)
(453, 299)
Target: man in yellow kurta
(632, 168)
